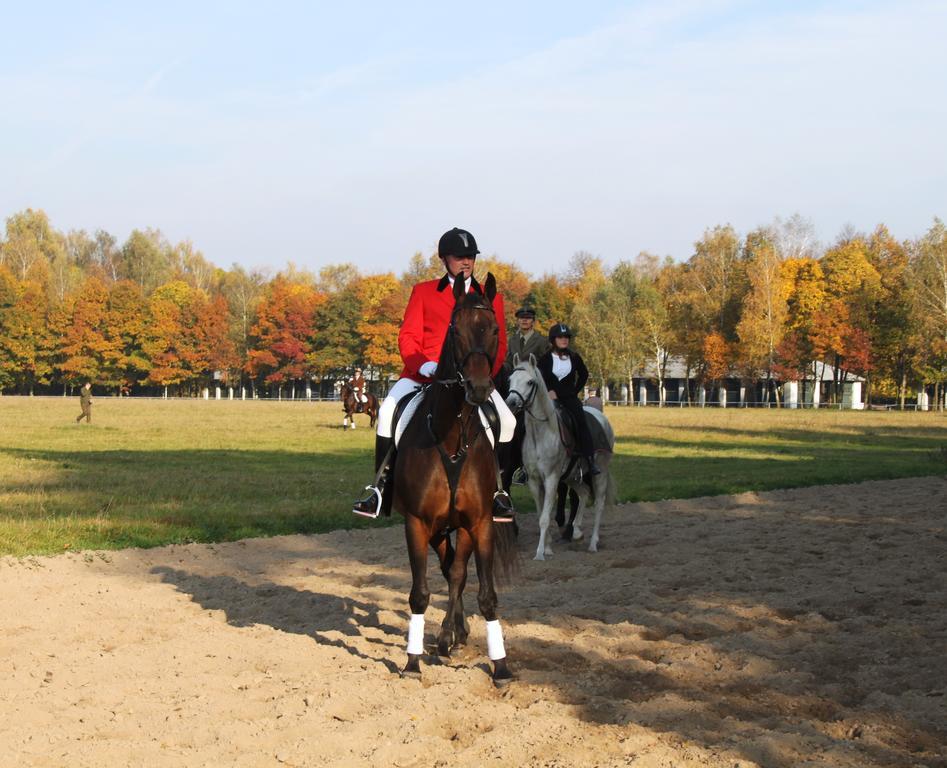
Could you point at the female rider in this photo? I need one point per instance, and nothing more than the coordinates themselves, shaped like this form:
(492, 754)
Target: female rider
(565, 375)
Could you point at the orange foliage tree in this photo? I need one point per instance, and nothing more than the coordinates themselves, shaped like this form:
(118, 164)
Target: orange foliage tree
(281, 337)
(87, 352)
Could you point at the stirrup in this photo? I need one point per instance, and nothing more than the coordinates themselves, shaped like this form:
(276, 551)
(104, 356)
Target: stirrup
(519, 476)
(502, 507)
(366, 512)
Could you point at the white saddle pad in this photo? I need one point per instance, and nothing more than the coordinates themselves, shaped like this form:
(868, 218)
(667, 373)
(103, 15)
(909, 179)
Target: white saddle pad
(412, 407)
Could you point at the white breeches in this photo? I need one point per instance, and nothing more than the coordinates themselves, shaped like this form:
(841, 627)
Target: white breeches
(386, 412)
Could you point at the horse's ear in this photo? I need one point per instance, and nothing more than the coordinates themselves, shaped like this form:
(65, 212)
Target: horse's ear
(460, 287)
(516, 359)
(532, 359)
(490, 287)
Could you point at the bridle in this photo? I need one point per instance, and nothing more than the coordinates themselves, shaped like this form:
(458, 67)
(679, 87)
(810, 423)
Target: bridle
(471, 428)
(528, 400)
(477, 350)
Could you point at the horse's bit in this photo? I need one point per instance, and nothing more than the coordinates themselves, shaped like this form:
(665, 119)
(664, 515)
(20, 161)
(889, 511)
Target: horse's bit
(528, 401)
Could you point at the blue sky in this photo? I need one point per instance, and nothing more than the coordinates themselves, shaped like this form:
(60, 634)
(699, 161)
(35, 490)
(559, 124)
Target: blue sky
(318, 134)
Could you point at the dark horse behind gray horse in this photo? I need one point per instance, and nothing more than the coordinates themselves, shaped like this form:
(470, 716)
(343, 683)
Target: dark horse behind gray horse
(445, 476)
(352, 405)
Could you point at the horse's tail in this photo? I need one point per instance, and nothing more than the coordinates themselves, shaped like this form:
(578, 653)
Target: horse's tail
(611, 492)
(506, 556)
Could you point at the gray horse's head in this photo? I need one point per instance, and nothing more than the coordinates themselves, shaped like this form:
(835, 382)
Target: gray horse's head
(525, 381)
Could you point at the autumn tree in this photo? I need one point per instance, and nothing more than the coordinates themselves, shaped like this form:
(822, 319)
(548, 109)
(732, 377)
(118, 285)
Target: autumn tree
(512, 282)
(163, 341)
(243, 291)
(338, 345)
(551, 300)
(842, 326)
(8, 296)
(281, 337)
(765, 309)
(146, 258)
(127, 318)
(717, 353)
(653, 315)
(86, 351)
(928, 277)
(31, 244)
(382, 299)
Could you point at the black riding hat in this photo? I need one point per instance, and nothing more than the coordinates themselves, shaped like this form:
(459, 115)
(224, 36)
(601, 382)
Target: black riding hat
(526, 311)
(560, 329)
(457, 242)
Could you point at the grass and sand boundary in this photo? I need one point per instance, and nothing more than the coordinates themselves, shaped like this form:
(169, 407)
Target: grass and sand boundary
(151, 472)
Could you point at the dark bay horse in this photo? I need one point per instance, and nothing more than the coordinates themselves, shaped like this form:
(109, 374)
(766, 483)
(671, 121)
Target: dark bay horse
(445, 476)
(352, 405)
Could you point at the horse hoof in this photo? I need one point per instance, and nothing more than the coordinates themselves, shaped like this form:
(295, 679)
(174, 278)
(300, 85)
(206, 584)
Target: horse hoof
(444, 649)
(412, 669)
(502, 676)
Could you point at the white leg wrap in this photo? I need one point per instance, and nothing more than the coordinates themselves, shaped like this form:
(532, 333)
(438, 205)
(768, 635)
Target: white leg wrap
(416, 634)
(495, 649)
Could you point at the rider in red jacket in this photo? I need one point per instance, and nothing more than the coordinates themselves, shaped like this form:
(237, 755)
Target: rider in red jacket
(423, 330)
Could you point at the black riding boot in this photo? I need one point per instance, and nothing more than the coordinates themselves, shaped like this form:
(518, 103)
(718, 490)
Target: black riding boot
(377, 500)
(502, 507)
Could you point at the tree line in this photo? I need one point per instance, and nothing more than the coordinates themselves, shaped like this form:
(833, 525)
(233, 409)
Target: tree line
(148, 316)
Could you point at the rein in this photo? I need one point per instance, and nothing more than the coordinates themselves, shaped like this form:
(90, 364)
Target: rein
(454, 463)
(478, 350)
(528, 401)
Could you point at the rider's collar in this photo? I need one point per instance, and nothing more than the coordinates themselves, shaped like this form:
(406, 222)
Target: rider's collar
(448, 280)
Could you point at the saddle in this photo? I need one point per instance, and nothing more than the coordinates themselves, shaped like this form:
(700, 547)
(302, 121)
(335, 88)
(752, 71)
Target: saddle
(406, 409)
(567, 430)
(408, 406)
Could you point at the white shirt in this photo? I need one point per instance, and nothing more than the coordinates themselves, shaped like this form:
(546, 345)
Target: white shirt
(450, 279)
(561, 367)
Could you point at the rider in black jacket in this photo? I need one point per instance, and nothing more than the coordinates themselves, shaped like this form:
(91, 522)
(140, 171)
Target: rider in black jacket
(565, 375)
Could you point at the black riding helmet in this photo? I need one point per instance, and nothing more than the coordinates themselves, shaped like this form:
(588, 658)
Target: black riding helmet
(559, 329)
(457, 242)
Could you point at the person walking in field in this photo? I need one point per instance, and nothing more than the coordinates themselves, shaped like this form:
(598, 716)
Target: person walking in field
(423, 330)
(85, 403)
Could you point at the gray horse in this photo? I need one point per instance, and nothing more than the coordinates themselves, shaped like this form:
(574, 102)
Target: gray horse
(546, 459)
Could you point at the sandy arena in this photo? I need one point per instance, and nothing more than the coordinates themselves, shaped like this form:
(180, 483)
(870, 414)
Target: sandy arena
(792, 628)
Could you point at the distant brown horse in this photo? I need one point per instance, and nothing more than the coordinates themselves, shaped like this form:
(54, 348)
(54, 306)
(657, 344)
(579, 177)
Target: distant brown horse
(352, 405)
(445, 476)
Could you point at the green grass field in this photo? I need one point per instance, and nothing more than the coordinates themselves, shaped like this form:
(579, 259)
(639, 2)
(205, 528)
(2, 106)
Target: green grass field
(146, 473)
